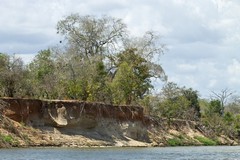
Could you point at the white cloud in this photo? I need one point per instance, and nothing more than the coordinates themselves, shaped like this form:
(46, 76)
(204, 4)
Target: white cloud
(212, 83)
(234, 68)
(234, 72)
(27, 58)
(187, 68)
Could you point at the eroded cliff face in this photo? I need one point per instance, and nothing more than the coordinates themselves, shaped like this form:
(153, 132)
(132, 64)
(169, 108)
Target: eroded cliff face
(62, 113)
(81, 124)
(116, 125)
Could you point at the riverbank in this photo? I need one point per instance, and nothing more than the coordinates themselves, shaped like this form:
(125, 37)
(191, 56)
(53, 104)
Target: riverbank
(79, 124)
(14, 134)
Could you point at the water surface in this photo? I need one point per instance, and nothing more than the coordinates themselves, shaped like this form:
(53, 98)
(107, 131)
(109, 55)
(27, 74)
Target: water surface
(181, 153)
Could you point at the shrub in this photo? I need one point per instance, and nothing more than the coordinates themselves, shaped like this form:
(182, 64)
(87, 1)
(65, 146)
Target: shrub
(175, 142)
(205, 141)
(8, 139)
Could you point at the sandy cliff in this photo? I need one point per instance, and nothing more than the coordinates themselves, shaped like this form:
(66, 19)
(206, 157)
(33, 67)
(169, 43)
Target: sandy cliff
(81, 124)
(75, 123)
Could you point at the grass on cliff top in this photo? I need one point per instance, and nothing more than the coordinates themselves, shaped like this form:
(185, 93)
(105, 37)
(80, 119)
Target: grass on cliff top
(205, 141)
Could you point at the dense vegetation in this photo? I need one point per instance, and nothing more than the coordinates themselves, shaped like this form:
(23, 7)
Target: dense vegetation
(98, 60)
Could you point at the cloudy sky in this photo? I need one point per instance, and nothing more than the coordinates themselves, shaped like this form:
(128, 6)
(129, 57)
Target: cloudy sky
(202, 36)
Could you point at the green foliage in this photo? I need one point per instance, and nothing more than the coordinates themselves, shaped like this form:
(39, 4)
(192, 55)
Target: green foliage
(99, 88)
(228, 118)
(215, 108)
(204, 105)
(174, 108)
(41, 76)
(77, 89)
(228, 124)
(205, 141)
(215, 123)
(123, 84)
(42, 64)
(192, 97)
(150, 104)
(237, 121)
(178, 103)
(175, 141)
(98, 61)
(132, 78)
(7, 139)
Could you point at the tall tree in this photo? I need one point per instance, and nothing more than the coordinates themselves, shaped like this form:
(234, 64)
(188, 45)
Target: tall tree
(88, 36)
(88, 40)
(100, 87)
(42, 75)
(102, 45)
(215, 107)
(132, 79)
(174, 108)
(12, 73)
(192, 96)
(177, 96)
(222, 97)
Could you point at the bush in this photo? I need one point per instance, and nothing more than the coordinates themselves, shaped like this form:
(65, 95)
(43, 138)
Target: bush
(175, 142)
(206, 141)
(6, 138)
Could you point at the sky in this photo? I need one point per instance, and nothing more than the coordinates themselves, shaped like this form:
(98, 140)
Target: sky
(202, 36)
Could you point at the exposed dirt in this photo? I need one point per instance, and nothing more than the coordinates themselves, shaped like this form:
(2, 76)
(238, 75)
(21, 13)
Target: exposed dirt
(29, 122)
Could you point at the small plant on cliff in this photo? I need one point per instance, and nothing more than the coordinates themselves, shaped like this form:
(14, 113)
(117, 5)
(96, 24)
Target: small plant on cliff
(205, 141)
(175, 142)
(7, 139)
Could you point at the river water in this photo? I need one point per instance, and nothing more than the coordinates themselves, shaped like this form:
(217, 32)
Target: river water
(181, 153)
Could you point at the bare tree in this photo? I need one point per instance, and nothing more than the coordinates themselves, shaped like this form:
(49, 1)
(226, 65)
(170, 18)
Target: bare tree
(222, 96)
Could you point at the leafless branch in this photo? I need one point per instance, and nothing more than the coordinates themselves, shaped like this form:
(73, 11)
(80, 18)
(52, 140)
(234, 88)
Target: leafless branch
(222, 96)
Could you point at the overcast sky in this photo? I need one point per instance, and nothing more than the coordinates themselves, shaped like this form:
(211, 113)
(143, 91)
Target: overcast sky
(202, 36)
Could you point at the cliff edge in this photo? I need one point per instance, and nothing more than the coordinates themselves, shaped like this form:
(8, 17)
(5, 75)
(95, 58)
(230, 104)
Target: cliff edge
(75, 123)
(80, 124)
